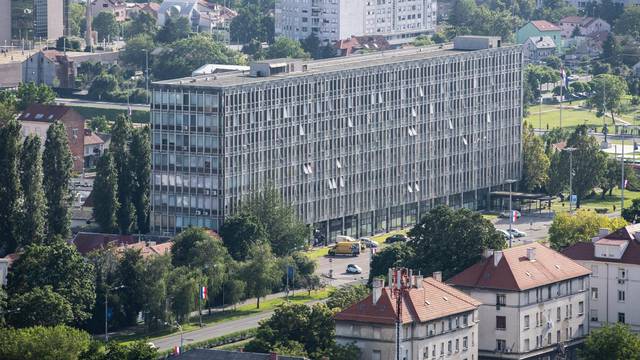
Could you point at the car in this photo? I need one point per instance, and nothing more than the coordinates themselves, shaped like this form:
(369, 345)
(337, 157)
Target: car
(396, 238)
(517, 233)
(368, 242)
(506, 214)
(354, 269)
(504, 233)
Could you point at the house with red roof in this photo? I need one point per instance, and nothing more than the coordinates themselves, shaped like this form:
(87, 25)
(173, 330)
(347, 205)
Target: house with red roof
(614, 261)
(437, 321)
(538, 29)
(585, 25)
(534, 302)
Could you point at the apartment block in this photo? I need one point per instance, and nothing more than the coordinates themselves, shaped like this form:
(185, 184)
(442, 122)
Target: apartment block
(535, 303)
(357, 145)
(399, 21)
(5, 22)
(50, 17)
(614, 260)
(436, 322)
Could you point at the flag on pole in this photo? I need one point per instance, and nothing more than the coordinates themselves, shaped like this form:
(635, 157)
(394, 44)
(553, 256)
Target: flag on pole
(514, 216)
(565, 80)
(176, 350)
(625, 183)
(203, 292)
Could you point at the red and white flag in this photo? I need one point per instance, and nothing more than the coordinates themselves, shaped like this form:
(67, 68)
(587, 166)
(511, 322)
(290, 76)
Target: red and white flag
(514, 216)
(203, 292)
(176, 350)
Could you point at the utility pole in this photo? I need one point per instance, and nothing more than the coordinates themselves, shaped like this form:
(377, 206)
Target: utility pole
(623, 133)
(511, 212)
(146, 72)
(570, 150)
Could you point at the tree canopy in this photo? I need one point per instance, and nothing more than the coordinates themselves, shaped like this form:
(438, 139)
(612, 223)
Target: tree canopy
(240, 232)
(613, 341)
(568, 229)
(535, 163)
(343, 297)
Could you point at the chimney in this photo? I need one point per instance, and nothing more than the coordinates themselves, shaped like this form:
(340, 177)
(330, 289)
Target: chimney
(378, 285)
(487, 253)
(437, 276)
(418, 281)
(531, 254)
(497, 256)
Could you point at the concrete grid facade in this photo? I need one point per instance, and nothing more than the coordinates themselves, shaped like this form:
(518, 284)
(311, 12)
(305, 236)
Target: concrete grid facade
(356, 145)
(331, 20)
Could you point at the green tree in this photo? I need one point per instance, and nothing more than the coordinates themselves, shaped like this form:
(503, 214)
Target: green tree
(260, 272)
(130, 274)
(535, 163)
(632, 213)
(99, 124)
(442, 232)
(344, 297)
(105, 194)
(156, 271)
(182, 290)
(607, 93)
(554, 10)
(394, 255)
(174, 29)
(239, 233)
(40, 306)
(184, 244)
(134, 54)
(141, 164)
(285, 232)
(251, 24)
(613, 341)
(462, 12)
(141, 23)
(59, 266)
(9, 184)
(567, 229)
(139, 350)
(212, 258)
(103, 86)
(43, 343)
(120, 147)
(629, 22)
(76, 16)
(233, 290)
(30, 93)
(286, 48)
(105, 264)
(57, 165)
(33, 215)
(422, 40)
(105, 24)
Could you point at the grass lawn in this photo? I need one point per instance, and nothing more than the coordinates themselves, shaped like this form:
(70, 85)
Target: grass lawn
(317, 253)
(597, 202)
(234, 346)
(571, 118)
(137, 116)
(301, 297)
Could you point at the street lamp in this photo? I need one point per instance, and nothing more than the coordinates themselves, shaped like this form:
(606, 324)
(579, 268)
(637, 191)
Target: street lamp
(510, 182)
(570, 150)
(106, 311)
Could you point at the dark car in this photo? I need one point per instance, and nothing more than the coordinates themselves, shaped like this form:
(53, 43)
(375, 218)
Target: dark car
(396, 238)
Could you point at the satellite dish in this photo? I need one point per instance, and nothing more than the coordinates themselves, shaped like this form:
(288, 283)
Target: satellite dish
(27, 11)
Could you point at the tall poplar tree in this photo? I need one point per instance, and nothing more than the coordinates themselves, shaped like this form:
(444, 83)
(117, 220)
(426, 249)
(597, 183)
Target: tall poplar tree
(105, 193)
(120, 143)
(9, 184)
(141, 163)
(33, 215)
(57, 163)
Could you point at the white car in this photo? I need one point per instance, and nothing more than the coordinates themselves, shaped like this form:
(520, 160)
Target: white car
(368, 242)
(517, 233)
(504, 233)
(354, 269)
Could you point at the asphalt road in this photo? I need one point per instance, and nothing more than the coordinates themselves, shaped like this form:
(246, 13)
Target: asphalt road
(339, 266)
(536, 228)
(102, 104)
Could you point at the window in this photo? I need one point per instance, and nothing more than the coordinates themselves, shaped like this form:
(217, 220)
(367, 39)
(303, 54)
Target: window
(449, 347)
(580, 330)
(526, 345)
(501, 345)
(581, 308)
(501, 299)
(621, 318)
(526, 322)
(594, 293)
(622, 273)
(465, 343)
(501, 323)
(457, 345)
(594, 315)
(558, 314)
(594, 270)
(621, 295)
(558, 339)
(376, 355)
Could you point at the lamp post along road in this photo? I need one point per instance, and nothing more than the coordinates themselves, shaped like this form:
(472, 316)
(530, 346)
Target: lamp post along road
(570, 150)
(511, 213)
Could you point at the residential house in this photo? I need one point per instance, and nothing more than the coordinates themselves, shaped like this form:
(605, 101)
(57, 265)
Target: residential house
(534, 302)
(357, 44)
(438, 321)
(59, 69)
(116, 7)
(94, 147)
(581, 4)
(537, 29)
(585, 25)
(614, 260)
(147, 248)
(150, 8)
(535, 50)
(580, 49)
(86, 242)
(203, 16)
(37, 118)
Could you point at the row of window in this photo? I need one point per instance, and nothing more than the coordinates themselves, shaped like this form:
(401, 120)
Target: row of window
(452, 346)
(540, 317)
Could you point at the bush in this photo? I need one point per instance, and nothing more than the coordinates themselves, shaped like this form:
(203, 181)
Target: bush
(601, 210)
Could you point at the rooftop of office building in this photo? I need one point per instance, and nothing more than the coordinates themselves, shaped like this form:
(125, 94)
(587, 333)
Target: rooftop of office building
(269, 70)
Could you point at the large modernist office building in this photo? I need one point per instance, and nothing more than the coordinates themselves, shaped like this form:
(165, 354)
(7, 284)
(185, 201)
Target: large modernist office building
(357, 144)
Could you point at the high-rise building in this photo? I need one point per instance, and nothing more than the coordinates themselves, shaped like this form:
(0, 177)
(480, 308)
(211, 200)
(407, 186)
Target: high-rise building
(49, 18)
(5, 22)
(356, 144)
(331, 20)
(21, 19)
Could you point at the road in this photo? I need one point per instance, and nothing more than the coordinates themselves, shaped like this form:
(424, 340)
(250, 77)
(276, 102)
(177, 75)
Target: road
(339, 265)
(536, 227)
(102, 104)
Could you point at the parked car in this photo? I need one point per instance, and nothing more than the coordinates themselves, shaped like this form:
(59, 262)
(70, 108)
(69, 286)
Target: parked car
(354, 269)
(506, 214)
(517, 233)
(504, 233)
(368, 242)
(348, 248)
(396, 238)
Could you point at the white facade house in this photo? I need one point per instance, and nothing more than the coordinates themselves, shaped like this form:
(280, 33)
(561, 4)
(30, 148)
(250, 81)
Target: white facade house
(585, 25)
(536, 49)
(534, 302)
(399, 21)
(438, 322)
(203, 16)
(614, 260)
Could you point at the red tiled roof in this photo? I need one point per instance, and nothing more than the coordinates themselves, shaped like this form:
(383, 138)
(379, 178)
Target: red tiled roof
(86, 242)
(147, 250)
(586, 250)
(516, 272)
(543, 25)
(578, 20)
(46, 113)
(434, 300)
(91, 138)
